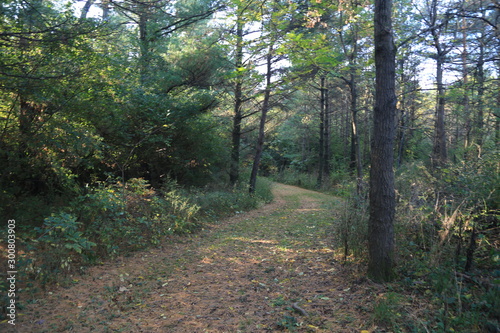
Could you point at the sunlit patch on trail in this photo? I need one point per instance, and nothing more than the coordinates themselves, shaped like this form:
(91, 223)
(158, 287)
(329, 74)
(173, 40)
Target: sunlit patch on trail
(258, 241)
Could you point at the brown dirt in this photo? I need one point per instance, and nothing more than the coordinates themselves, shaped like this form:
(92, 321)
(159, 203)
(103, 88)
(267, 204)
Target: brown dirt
(271, 269)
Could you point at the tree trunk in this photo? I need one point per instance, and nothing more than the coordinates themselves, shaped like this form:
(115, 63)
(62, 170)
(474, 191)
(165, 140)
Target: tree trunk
(382, 194)
(346, 132)
(144, 42)
(356, 163)
(234, 173)
(465, 79)
(355, 149)
(497, 114)
(479, 121)
(439, 151)
(105, 9)
(327, 154)
(321, 134)
(85, 9)
(262, 127)
(401, 109)
(30, 113)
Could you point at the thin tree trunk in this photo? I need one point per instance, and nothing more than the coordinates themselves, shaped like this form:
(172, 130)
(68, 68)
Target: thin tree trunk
(144, 40)
(346, 132)
(497, 114)
(234, 173)
(402, 138)
(355, 149)
(497, 124)
(402, 116)
(479, 121)
(327, 156)
(356, 163)
(85, 9)
(319, 182)
(440, 155)
(105, 9)
(262, 127)
(439, 152)
(382, 194)
(465, 79)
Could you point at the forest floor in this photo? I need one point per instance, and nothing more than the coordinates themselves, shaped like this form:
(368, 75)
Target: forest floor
(267, 270)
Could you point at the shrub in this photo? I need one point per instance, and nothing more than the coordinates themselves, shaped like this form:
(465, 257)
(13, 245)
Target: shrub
(224, 202)
(446, 240)
(387, 310)
(291, 176)
(128, 217)
(115, 218)
(111, 219)
(63, 231)
(350, 227)
(62, 243)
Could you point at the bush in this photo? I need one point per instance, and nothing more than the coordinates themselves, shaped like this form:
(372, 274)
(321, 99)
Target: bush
(350, 227)
(128, 217)
(387, 311)
(296, 178)
(449, 213)
(224, 202)
(60, 245)
(263, 190)
(63, 231)
(115, 218)
(445, 227)
(109, 220)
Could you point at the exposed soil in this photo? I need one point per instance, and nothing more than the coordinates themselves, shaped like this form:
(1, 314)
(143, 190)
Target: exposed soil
(271, 269)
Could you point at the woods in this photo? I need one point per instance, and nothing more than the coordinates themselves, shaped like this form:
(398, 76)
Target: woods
(124, 122)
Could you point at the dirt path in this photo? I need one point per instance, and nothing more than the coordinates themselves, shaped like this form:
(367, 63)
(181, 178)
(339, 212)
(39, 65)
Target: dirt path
(272, 269)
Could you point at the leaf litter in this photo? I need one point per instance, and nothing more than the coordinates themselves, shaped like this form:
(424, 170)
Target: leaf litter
(268, 270)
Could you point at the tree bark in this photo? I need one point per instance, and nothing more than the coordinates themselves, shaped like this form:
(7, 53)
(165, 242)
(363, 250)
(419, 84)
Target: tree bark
(265, 108)
(327, 135)
(234, 173)
(356, 163)
(439, 151)
(479, 121)
(497, 115)
(355, 148)
(465, 79)
(321, 134)
(145, 51)
(382, 194)
(401, 110)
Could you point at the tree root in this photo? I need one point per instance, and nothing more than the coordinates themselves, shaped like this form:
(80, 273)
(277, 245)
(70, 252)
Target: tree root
(297, 308)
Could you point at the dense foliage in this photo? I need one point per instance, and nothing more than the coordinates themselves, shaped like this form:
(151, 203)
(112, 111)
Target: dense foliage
(122, 122)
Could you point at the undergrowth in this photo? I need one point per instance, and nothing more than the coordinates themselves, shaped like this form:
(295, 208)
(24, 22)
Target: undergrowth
(114, 219)
(338, 182)
(296, 178)
(447, 244)
(448, 250)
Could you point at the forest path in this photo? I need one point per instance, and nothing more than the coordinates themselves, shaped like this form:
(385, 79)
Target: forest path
(271, 269)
